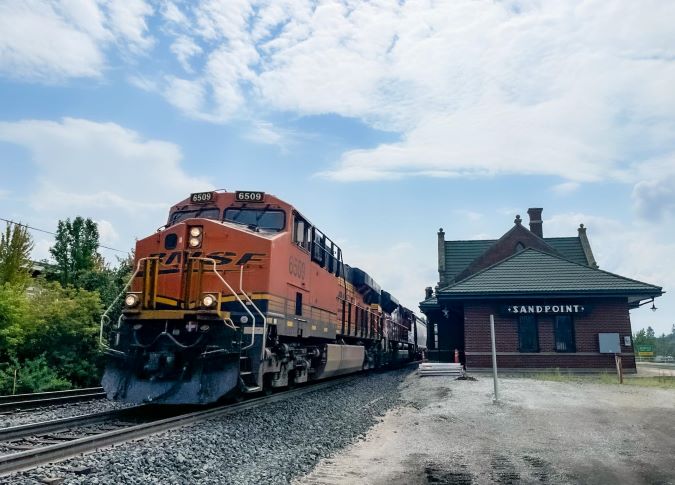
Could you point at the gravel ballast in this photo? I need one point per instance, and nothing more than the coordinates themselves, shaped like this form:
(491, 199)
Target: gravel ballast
(271, 444)
(58, 411)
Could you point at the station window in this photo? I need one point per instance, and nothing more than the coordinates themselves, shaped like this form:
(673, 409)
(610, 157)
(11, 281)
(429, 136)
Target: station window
(298, 303)
(564, 334)
(528, 336)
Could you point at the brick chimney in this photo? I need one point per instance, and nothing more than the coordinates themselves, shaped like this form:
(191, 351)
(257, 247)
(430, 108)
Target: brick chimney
(535, 221)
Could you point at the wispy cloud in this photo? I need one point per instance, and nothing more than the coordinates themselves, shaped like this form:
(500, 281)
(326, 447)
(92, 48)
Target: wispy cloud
(474, 88)
(127, 167)
(566, 188)
(52, 41)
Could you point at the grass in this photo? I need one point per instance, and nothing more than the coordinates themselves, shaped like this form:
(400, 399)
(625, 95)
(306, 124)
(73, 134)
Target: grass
(664, 382)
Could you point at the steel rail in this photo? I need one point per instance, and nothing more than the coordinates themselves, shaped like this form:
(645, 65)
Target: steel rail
(39, 456)
(54, 425)
(40, 399)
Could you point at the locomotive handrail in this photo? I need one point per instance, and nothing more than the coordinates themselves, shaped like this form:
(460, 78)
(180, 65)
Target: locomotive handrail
(241, 288)
(234, 293)
(105, 319)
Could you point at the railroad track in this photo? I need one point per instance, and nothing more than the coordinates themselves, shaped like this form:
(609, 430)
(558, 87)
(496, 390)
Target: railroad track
(31, 445)
(41, 399)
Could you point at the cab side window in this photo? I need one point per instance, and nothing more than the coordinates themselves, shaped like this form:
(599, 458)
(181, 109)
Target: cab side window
(301, 232)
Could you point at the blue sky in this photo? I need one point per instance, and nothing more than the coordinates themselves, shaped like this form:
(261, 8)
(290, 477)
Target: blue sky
(381, 121)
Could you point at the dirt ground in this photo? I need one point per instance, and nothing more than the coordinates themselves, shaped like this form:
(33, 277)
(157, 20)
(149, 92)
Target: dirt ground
(450, 432)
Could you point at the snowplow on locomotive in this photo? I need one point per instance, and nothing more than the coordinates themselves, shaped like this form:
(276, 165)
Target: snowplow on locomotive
(239, 293)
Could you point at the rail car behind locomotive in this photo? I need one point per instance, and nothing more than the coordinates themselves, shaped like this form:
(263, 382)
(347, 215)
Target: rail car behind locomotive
(240, 293)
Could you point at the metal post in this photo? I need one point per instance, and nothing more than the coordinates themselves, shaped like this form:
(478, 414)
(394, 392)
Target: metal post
(14, 386)
(494, 357)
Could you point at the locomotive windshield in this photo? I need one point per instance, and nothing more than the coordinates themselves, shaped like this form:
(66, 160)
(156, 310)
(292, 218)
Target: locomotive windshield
(273, 220)
(179, 216)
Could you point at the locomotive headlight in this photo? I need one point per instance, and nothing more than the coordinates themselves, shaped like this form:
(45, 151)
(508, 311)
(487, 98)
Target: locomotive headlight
(131, 300)
(208, 301)
(194, 242)
(196, 231)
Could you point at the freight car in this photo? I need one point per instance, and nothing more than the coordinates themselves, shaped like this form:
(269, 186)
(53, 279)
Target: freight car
(240, 293)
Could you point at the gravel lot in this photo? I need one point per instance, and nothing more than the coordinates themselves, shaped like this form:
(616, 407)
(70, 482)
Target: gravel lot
(654, 369)
(58, 411)
(268, 445)
(450, 432)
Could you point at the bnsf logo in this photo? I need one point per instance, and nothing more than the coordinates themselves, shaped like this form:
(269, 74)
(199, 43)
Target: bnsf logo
(221, 257)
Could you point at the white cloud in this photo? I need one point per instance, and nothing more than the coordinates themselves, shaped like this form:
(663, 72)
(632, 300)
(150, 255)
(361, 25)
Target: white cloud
(50, 41)
(186, 95)
(266, 133)
(184, 48)
(142, 82)
(127, 20)
(172, 13)
(632, 249)
(101, 168)
(654, 195)
(565, 188)
(103, 171)
(580, 90)
(4, 193)
(59, 50)
(107, 233)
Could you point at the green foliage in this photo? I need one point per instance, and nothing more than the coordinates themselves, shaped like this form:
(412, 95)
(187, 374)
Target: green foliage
(76, 251)
(663, 345)
(60, 324)
(15, 247)
(33, 375)
(49, 329)
(14, 310)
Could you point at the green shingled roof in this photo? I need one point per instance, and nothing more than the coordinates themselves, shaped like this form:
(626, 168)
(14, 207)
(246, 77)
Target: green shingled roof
(569, 248)
(531, 272)
(460, 254)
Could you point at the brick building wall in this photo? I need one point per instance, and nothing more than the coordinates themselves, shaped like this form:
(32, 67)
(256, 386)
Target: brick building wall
(606, 316)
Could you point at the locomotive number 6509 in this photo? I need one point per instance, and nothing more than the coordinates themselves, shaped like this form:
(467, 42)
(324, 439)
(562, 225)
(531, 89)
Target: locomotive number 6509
(249, 196)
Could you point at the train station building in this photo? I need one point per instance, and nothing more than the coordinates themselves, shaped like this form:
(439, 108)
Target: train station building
(552, 306)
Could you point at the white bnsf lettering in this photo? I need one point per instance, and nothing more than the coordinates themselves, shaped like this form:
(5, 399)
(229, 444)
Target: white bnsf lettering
(534, 309)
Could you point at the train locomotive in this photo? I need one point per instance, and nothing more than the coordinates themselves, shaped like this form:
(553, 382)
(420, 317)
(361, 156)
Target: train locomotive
(239, 293)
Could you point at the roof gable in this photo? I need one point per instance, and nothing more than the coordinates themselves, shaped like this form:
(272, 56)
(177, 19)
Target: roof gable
(531, 272)
(517, 237)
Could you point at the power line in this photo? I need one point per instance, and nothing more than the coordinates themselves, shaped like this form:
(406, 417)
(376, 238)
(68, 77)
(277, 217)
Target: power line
(54, 234)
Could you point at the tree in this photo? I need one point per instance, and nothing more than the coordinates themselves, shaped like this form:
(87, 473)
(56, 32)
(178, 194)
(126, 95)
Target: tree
(15, 247)
(640, 338)
(76, 250)
(650, 333)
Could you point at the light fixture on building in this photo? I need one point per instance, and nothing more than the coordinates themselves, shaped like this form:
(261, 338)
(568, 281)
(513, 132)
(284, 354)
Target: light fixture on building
(653, 308)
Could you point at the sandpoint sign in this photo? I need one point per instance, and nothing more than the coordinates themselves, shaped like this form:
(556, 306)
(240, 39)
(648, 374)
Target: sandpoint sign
(544, 309)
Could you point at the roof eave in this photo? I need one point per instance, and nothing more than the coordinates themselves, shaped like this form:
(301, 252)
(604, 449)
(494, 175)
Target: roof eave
(639, 294)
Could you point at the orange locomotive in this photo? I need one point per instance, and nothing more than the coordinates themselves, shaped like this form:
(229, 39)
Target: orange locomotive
(240, 293)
